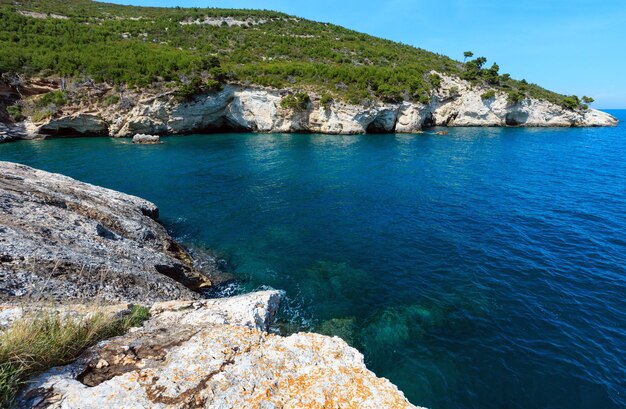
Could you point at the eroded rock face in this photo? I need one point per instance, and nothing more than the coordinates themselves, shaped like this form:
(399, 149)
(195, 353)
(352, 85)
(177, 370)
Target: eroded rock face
(456, 103)
(10, 133)
(67, 240)
(76, 124)
(215, 354)
(467, 108)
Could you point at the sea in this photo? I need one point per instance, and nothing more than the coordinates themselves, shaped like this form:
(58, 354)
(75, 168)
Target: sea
(485, 268)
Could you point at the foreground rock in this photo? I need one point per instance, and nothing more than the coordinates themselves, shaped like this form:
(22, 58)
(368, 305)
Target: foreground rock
(146, 139)
(67, 240)
(215, 354)
(253, 109)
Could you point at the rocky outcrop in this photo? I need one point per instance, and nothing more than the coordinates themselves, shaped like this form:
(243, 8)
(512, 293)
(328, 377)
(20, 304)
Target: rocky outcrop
(13, 133)
(214, 354)
(455, 103)
(469, 108)
(66, 240)
(144, 139)
(75, 124)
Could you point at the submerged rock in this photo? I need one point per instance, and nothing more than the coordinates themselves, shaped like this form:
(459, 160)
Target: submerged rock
(214, 354)
(66, 240)
(146, 139)
(344, 328)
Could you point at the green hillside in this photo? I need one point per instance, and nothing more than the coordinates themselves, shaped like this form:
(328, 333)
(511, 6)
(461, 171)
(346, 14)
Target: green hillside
(194, 50)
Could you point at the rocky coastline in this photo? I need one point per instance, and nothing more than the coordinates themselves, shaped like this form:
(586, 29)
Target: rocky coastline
(456, 103)
(65, 240)
(73, 243)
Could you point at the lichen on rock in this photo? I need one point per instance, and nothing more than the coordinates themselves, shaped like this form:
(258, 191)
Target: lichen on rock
(215, 354)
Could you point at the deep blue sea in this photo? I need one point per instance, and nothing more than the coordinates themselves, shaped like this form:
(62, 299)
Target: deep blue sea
(481, 269)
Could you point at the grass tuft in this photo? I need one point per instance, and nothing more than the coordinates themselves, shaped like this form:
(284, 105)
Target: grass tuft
(43, 339)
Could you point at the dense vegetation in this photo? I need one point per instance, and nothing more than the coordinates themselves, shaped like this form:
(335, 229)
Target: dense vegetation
(43, 339)
(140, 46)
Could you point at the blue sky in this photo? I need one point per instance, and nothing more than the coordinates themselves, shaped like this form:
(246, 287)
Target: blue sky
(569, 46)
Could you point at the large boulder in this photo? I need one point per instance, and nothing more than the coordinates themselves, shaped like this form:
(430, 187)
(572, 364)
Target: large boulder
(145, 139)
(214, 354)
(66, 240)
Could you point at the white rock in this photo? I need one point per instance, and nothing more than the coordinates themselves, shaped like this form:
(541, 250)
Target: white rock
(215, 356)
(258, 110)
(146, 139)
(8, 314)
(79, 123)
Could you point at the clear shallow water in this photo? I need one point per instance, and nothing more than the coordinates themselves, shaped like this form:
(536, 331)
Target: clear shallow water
(482, 269)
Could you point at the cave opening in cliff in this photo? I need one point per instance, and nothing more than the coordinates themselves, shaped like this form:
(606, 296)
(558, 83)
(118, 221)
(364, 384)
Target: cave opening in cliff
(429, 121)
(376, 127)
(516, 118)
(382, 124)
(67, 133)
(223, 125)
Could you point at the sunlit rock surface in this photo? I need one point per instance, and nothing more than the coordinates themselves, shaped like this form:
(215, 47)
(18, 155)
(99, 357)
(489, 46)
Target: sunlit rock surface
(215, 354)
(236, 108)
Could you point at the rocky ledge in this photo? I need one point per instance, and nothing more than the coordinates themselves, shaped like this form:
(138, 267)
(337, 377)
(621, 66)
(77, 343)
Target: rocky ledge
(66, 240)
(252, 109)
(214, 354)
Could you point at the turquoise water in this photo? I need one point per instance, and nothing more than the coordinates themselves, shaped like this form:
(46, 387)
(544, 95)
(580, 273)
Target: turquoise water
(481, 269)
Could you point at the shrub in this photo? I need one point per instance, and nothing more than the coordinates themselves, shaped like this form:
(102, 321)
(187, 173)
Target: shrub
(491, 75)
(435, 80)
(56, 98)
(213, 85)
(296, 102)
(218, 74)
(424, 99)
(326, 101)
(15, 112)
(588, 100)
(515, 97)
(473, 69)
(111, 100)
(189, 89)
(571, 102)
(389, 93)
(41, 114)
(488, 95)
(46, 105)
(45, 338)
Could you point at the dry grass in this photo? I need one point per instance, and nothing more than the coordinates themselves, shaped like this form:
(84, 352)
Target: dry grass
(45, 338)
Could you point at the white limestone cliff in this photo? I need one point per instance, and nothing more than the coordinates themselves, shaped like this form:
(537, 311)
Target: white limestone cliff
(456, 103)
